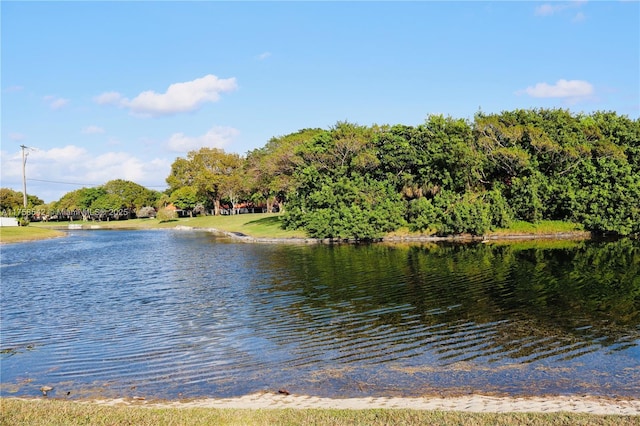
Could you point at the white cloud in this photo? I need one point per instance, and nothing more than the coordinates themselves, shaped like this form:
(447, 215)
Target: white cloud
(13, 89)
(44, 164)
(569, 89)
(68, 154)
(549, 9)
(264, 55)
(180, 97)
(17, 137)
(92, 130)
(216, 137)
(11, 167)
(56, 102)
(54, 172)
(108, 98)
(108, 165)
(579, 17)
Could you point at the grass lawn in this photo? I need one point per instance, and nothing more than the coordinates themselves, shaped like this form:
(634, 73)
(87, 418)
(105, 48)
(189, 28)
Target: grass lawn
(544, 227)
(59, 412)
(260, 225)
(14, 234)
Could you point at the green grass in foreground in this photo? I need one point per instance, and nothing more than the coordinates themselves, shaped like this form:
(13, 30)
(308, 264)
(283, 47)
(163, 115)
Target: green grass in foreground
(58, 412)
(13, 234)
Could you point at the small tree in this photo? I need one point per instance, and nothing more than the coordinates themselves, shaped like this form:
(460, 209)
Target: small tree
(22, 217)
(166, 215)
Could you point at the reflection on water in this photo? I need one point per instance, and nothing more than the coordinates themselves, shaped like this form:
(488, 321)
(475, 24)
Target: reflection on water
(168, 314)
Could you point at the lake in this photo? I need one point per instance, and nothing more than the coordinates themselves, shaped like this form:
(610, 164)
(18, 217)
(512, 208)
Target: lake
(181, 314)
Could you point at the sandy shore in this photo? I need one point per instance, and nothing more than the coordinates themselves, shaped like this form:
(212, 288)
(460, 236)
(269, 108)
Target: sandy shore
(470, 403)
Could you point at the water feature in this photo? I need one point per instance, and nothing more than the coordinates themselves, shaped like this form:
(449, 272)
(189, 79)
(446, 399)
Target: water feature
(168, 314)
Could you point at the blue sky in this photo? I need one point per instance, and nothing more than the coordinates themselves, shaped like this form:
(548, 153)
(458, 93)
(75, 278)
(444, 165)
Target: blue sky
(107, 90)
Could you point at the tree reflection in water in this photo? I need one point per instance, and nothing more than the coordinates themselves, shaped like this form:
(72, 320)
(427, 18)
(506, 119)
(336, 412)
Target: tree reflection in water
(523, 301)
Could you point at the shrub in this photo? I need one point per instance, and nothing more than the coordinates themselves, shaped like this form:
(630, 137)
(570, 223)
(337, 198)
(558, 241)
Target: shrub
(469, 214)
(500, 213)
(146, 212)
(523, 195)
(23, 219)
(166, 215)
(422, 214)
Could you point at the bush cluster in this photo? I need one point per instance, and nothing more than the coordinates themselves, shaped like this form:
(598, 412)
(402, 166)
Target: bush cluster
(450, 176)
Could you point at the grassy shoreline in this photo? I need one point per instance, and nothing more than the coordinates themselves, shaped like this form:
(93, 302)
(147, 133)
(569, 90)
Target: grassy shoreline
(55, 411)
(266, 227)
(21, 234)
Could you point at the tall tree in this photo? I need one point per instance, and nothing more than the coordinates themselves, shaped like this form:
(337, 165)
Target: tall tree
(132, 195)
(270, 169)
(208, 170)
(10, 200)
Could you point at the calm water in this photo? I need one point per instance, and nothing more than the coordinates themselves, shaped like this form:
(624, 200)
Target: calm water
(187, 314)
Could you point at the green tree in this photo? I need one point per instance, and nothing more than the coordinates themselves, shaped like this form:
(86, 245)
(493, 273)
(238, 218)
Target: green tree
(186, 198)
(107, 205)
(90, 196)
(445, 156)
(446, 174)
(70, 200)
(234, 188)
(500, 141)
(10, 200)
(79, 200)
(356, 207)
(337, 195)
(132, 195)
(208, 170)
(397, 158)
(270, 169)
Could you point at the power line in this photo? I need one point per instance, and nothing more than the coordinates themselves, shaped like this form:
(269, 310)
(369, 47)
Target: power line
(65, 183)
(87, 184)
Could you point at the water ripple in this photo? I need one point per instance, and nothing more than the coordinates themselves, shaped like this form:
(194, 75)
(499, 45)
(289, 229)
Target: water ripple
(178, 313)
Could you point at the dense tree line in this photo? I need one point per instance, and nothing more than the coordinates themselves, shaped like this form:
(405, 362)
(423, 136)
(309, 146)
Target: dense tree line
(120, 198)
(12, 205)
(11, 201)
(451, 176)
(445, 176)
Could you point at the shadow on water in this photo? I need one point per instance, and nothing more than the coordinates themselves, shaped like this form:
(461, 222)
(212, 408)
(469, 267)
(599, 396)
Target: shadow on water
(191, 314)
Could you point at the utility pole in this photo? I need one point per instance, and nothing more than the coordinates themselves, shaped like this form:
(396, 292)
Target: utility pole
(24, 176)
